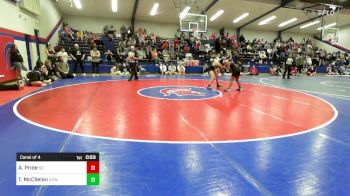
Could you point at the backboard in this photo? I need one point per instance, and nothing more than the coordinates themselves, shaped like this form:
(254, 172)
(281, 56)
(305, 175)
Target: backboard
(193, 22)
(330, 34)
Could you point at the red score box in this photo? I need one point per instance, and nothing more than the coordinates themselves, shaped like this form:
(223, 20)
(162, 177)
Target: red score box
(93, 167)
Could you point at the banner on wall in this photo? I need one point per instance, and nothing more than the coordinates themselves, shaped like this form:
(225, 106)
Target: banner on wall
(6, 73)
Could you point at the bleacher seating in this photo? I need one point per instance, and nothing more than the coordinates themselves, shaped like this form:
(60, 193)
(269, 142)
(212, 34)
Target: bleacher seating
(108, 45)
(194, 65)
(69, 45)
(104, 68)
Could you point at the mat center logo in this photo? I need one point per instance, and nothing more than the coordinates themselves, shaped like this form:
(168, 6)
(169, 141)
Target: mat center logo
(179, 93)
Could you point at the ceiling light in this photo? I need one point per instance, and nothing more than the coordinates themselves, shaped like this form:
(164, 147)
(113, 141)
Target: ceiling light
(287, 22)
(309, 24)
(114, 6)
(216, 15)
(185, 12)
(154, 9)
(77, 4)
(240, 17)
(267, 20)
(327, 26)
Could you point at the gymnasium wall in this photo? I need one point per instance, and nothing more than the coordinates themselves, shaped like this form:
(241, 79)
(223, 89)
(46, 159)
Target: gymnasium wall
(344, 36)
(161, 29)
(325, 46)
(94, 24)
(298, 37)
(18, 22)
(49, 18)
(169, 29)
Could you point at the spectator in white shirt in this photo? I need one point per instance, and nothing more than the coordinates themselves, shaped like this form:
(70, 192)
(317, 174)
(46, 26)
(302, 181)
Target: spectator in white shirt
(95, 55)
(288, 66)
(181, 68)
(163, 68)
(262, 57)
(308, 61)
(172, 69)
(62, 53)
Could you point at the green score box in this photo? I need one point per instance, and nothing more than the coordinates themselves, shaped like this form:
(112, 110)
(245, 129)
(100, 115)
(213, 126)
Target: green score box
(93, 179)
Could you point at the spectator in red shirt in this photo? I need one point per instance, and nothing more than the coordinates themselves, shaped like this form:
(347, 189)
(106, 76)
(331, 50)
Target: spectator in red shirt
(226, 37)
(68, 31)
(198, 44)
(233, 37)
(177, 43)
(253, 71)
(213, 36)
(165, 45)
(187, 49)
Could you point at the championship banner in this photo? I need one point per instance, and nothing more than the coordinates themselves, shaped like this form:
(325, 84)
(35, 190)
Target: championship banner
(6, 73)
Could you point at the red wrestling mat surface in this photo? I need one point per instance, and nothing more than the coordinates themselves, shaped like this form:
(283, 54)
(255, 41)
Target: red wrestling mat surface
(116, 110)
(6, 96)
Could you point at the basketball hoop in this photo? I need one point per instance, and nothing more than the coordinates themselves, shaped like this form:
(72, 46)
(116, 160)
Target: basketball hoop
(193, 22)
(195, 32)
(330, 34)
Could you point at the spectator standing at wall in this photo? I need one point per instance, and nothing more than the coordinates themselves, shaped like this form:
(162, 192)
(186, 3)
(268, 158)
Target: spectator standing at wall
(288, 66)
(300, 63)
(95, 55)
(132, 61)
(51, 53)
(78, 57)
(17, 61)
(322, 57)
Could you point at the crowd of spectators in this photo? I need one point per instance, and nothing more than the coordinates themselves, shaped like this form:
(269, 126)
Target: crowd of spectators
(284, 57)
(185, 46)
